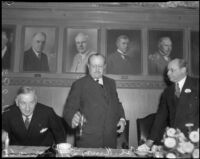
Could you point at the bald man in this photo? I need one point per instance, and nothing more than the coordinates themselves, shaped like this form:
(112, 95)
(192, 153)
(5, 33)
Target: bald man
(176, 108)
(81, 58)
(160, 59)
(5, 51)
(34, 58)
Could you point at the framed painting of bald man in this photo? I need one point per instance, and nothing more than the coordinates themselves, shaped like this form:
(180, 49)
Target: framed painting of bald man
(163, 46)
(39, 49)
(8, 46)
(79, 44)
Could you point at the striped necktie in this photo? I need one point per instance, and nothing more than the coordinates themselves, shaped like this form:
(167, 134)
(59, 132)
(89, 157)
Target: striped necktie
(27, 122)
(177, 90)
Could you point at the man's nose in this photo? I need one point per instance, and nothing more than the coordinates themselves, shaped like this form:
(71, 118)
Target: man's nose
(27, 107)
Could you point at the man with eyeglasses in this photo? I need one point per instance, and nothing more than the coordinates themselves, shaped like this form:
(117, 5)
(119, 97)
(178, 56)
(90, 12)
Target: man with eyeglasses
(93, 104)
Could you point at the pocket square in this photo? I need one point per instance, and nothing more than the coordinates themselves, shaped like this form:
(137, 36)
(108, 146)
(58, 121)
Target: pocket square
(43, 130)
(187, 90)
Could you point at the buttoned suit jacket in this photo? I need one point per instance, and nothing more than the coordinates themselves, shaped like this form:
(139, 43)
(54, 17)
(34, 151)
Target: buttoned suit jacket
(33, 63)
(176, 112)
(45, 128)
(101, 108)
(117, 65)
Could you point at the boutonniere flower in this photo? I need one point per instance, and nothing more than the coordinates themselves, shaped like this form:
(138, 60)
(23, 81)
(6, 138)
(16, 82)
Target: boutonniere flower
(187, 90)
(43, 130)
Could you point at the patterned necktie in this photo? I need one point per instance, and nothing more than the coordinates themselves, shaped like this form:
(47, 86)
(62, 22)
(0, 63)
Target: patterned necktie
(27, 122)
(177, 90)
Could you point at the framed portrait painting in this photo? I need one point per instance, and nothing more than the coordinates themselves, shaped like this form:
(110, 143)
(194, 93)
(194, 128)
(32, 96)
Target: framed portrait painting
(39, 53)
(8, 46)
(79, 44)
(163, 45)
(123, 49)
(194, 53)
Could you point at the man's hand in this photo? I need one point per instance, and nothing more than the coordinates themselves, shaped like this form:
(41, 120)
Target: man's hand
(121, 124)
(4, 136)
(77, 119)
(146, 146)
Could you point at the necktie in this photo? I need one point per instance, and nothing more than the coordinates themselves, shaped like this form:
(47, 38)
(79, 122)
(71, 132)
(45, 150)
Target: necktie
(99, 83)
(38, 55)
(177, 90)
(27, 122)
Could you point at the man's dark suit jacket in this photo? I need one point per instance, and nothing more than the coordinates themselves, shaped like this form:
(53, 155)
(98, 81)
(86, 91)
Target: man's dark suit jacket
(101, 108)
(6, 60)
(33, 63)
(117, 65)
(175, 112)
(45, 127)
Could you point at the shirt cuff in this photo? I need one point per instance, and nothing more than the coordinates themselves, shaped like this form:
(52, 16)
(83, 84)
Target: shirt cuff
(122, 119)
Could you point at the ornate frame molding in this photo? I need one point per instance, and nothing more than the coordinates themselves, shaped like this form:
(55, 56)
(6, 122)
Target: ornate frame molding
(66, 82)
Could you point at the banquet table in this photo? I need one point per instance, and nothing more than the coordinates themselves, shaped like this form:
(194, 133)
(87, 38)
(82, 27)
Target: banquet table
(35, 151)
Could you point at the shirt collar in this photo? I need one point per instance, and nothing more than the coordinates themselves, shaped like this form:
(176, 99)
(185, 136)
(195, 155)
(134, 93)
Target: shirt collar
(29, 117)
(83, 55)
(181, 83)
(121, 52)
(36, 53)
(100, 80)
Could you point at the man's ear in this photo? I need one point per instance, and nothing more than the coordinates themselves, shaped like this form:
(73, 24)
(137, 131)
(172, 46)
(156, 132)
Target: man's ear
(183, 69)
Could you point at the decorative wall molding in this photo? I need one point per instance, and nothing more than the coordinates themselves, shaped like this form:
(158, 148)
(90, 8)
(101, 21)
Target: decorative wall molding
(64, 82)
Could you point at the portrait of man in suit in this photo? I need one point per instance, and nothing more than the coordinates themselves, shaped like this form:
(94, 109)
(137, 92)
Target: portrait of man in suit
(124, 56)
(39, 53)
(81, 43)
(34, 58)
(7, 46)
(163, 47)
(80, 59)
(194, 60)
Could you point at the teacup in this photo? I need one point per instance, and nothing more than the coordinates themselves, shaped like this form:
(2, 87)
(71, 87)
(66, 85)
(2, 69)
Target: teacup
(63, 148)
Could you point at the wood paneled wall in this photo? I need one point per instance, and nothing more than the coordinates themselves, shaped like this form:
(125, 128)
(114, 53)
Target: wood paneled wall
(138, 94)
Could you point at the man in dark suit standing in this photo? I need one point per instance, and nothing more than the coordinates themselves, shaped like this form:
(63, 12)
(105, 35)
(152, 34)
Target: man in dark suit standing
(119, 62)
(93, 102)
(34, 58)
(5, 52)
(179, 103)
(31, 123)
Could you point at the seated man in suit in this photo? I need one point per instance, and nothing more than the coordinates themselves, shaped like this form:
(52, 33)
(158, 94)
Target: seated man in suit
(179, 103)
(34, 58)
(28, 122)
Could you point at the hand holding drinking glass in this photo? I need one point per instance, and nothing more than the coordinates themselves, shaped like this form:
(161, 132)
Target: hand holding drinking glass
(78, 120)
